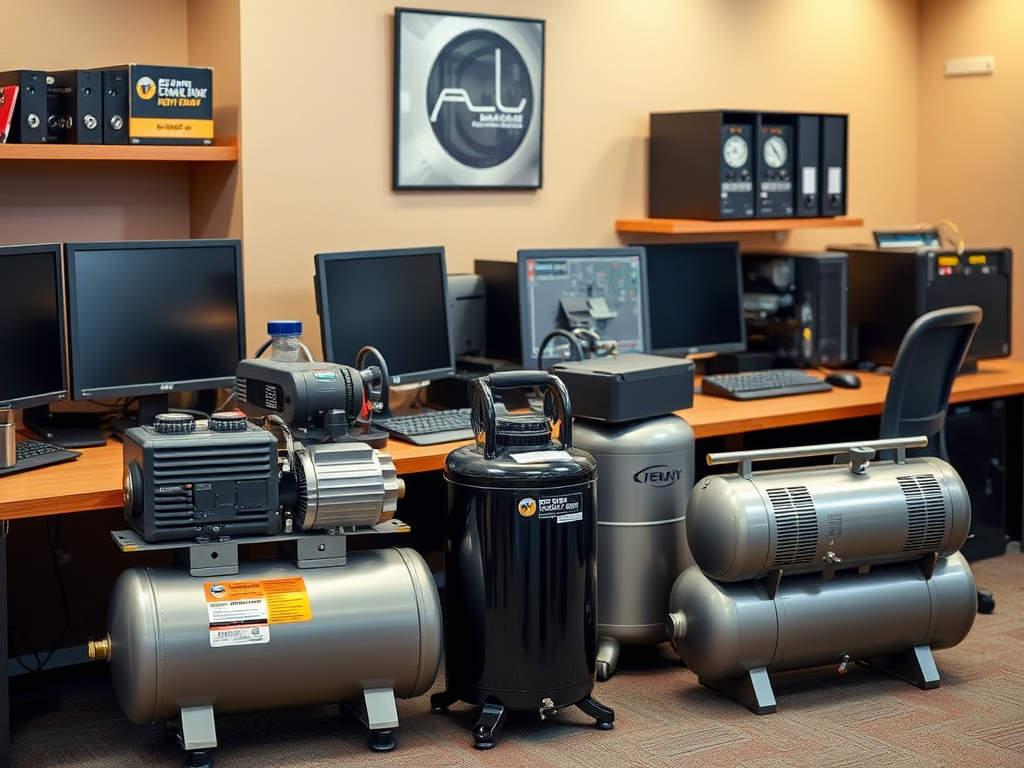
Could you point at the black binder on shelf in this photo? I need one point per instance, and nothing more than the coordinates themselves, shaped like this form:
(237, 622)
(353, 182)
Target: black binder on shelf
(833, 165)
(115, 106)
(29, 123)
(74, 106)
(808, 166)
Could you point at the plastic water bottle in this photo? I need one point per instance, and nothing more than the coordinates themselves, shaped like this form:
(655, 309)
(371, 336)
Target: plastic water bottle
(285, 341)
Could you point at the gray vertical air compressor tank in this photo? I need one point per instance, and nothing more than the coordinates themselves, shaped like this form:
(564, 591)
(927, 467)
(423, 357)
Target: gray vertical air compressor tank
(647, 472)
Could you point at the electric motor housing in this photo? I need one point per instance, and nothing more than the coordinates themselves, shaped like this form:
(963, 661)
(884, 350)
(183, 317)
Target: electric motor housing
(810, 520)
(343, 485)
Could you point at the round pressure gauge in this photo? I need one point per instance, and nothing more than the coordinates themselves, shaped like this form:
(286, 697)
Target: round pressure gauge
(734, 151)
(775, 151)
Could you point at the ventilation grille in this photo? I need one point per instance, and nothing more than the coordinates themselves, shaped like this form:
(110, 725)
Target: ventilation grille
(797, 526)
(832, 309)
(926, 513)
(241, 392)
(302, 504)
(177, 468)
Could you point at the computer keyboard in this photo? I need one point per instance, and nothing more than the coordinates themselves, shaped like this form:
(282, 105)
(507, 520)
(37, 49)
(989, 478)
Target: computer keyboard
(755, 385)
(429, 427)
(30, 454)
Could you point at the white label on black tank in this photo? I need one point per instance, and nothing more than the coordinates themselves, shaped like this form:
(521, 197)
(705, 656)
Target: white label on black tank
(566, 508)
(535, 457)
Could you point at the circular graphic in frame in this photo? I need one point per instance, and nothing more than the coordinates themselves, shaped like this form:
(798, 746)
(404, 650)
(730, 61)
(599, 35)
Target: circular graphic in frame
(468, 101)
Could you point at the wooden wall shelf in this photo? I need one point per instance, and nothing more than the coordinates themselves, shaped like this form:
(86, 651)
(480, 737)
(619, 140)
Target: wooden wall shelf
(702, 227)
(223, 150)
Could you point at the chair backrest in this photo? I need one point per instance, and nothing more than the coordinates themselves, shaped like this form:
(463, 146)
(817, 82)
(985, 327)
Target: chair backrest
(927, 362)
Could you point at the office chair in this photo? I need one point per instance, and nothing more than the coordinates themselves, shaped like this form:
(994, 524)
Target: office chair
(927, 362)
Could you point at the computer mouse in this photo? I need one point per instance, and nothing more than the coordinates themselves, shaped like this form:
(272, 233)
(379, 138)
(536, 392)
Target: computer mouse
(843, 379)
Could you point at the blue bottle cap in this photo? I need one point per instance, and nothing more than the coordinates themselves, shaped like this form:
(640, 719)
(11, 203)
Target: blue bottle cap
(284, 327)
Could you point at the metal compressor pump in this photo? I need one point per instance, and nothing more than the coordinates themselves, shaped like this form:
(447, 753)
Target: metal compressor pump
(317, 625)
(832, 564)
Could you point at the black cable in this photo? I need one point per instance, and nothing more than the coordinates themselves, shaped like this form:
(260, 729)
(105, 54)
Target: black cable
(574, 343)
(55, 540)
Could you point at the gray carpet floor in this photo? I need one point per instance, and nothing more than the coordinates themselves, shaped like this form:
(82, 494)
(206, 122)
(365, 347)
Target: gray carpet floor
(70, 718)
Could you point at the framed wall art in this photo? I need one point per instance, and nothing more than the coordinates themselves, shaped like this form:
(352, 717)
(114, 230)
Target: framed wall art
(468, 101)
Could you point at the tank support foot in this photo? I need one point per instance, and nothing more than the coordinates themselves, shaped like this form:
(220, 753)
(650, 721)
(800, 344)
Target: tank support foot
(605, 716)
(197, 730)
(607, 657)
(754, 690)
(378, 712)
(381, 740)
(199, 758)
(488, 725)
(914, 665)
(439, 702)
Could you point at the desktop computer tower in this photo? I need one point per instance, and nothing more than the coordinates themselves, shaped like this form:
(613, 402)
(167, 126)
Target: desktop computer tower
(891, 287)
(795, 305)
(976, 445)
(502, 337)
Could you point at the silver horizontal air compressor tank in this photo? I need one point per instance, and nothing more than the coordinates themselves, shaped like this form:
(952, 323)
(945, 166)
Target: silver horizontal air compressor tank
(733, 635)
(809, 520)
(824, 565)
(365, 633)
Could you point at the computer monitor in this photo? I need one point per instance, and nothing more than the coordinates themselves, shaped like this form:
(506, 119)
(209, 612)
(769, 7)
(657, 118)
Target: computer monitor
(33, 372)
(695, 294)
(395, 301)
(148, 318)
(602, 289)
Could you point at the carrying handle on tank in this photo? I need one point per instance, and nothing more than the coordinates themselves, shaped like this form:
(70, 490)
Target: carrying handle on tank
(746, 458)
(556, 404)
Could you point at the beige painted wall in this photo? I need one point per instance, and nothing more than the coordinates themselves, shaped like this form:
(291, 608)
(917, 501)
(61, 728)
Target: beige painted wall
(320, 178)
(316, 176)
(42, 201)
(970, 154)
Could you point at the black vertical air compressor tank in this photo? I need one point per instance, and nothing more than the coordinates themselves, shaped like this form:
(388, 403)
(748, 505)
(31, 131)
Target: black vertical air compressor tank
(520, 565)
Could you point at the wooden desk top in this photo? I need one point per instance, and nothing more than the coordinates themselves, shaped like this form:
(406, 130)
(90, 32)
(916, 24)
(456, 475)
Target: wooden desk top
(94, 480)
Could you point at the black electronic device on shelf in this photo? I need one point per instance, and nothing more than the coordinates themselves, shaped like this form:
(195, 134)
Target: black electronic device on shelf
(720, 165)
(150, 318)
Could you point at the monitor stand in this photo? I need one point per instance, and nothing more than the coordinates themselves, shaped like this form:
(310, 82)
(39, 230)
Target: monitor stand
(738, 362)
(70, 429)
(150, 406)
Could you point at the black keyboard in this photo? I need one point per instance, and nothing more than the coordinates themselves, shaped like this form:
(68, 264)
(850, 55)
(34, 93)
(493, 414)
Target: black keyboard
(30, 454)
(429, 427)
(755, 385)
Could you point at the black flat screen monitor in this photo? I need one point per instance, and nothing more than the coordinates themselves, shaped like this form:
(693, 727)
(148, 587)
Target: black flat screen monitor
(148, 318)
(602, 289)
(33, 372)
(695, 293)
(395, 301)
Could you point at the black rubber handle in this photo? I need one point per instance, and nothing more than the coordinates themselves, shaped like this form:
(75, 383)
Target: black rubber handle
(518, 379)
(556, 405)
